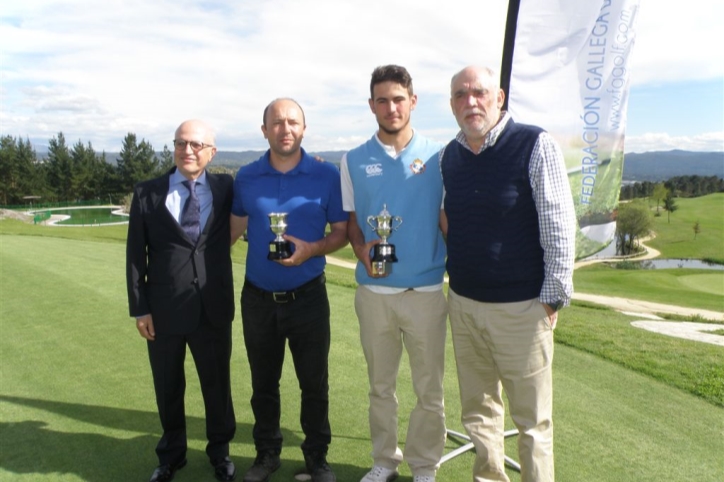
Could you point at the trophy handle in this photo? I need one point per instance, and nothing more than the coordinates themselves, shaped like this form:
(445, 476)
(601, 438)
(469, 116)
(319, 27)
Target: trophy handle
(399, 222)
(369, 221)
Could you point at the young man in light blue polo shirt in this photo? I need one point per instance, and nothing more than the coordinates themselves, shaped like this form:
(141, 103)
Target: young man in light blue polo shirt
(286, 299)
(398, 168)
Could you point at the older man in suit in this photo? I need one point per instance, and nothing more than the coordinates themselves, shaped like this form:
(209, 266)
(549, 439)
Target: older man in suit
(180, 290)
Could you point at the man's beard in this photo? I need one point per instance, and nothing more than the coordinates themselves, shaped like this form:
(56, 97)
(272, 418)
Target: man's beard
(287, 152)
(393, 131)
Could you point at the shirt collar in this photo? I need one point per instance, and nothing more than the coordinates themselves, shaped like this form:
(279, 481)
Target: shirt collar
(304, 166)
(390, 150)
(178, 178)
(490, 138)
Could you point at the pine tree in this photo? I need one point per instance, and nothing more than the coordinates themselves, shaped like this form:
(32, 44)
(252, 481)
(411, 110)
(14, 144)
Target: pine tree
(166, 162)
(670, 205)
(137, 162)
(60, 168)
(9, 171)
(32, 172)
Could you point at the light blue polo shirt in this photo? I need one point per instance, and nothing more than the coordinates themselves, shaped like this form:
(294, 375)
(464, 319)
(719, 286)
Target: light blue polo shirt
(311, 196)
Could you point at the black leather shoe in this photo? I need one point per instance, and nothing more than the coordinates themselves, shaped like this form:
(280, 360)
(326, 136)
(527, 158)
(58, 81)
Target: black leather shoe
(318, 467)
(224, 469)
(264, 465)
(165, 473)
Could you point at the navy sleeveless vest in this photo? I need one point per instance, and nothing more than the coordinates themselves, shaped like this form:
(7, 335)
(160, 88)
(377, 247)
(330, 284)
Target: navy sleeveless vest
(493, 241)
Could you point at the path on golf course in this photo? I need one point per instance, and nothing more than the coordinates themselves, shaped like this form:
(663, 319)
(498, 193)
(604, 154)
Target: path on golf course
(626, 305)
(637, 306)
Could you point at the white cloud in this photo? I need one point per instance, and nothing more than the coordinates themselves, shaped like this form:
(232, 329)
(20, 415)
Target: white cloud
(50, 99)
(676, 41)
(98, 70)
(707, 142)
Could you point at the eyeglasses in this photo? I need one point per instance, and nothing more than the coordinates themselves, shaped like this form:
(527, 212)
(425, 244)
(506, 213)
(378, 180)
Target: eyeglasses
(180, 145)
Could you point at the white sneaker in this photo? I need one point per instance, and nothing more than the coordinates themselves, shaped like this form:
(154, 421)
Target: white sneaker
(423, 478)
(380, 474)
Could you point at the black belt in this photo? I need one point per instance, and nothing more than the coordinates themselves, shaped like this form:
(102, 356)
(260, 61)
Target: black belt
(286, 296)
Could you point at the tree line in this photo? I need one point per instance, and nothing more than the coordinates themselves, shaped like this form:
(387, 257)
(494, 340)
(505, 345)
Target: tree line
(78, 173)
(634, 219)
(679, 186)
(75, 173)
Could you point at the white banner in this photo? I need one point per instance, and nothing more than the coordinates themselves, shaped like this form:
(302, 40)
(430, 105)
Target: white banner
(570, 76)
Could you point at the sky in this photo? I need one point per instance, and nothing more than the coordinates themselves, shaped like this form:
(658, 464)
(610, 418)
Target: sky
(96, 71)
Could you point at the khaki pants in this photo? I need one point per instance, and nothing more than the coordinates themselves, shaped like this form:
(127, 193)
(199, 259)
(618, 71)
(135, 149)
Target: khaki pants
(508, 345)
(416, 320)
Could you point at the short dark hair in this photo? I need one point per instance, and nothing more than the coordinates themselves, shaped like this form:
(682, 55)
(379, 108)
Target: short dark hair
(266, 109)
(391, 73)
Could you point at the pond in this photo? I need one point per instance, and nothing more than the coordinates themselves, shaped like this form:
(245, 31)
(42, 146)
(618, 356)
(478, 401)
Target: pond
(91, 216)
(609, 254)
(676, 263)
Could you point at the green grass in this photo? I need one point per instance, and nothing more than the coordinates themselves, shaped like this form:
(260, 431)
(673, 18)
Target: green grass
(676, 239)
(346, 254)
(692, 366)
(77, 404)
(695, 288)
(702, 289)
(115, 233)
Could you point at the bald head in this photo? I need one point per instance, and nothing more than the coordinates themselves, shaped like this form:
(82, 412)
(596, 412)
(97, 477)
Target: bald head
(194, 147)
(476, 71)
(273, 103)
(284, 127)
(200, 127)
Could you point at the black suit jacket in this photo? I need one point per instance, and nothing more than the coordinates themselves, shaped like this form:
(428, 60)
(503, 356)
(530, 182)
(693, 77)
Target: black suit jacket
(168, 275)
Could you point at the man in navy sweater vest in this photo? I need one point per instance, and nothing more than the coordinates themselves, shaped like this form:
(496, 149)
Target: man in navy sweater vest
(510, 238)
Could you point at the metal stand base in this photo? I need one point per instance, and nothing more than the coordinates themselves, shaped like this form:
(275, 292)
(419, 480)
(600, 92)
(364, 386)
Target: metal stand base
(469, 446)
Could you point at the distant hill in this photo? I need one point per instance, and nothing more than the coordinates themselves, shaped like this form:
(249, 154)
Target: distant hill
(646, 166)
(236, 159)
(239, 158)
(663, 165)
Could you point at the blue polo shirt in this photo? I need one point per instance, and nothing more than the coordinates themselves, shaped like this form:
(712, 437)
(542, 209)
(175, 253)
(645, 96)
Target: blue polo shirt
(311, 196)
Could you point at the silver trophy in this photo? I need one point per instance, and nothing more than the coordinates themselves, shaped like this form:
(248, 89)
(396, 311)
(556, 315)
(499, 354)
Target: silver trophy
(280, 248)
(384, 253)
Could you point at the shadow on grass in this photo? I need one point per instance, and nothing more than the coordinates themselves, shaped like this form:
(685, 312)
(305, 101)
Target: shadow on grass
(31, 446)
(34, 447)
(124, 418)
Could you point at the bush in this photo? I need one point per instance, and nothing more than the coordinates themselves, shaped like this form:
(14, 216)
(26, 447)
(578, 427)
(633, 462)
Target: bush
(626, 264)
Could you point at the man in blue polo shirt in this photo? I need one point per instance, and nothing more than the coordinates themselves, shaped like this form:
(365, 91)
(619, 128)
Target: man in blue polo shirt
(286, 299)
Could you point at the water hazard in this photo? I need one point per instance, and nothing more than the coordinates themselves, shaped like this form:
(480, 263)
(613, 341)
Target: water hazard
(92, 216)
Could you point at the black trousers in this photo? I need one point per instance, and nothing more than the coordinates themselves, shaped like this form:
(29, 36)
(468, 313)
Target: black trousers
(211, 349)
(268, 325)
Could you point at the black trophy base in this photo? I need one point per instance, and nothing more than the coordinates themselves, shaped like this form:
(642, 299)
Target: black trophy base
(279, 250)
(383, 255)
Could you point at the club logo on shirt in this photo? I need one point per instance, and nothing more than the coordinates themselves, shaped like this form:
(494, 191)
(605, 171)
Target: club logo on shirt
(417, 166)
(373, 170)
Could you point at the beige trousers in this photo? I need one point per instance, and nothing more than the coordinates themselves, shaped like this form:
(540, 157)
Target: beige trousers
(508, 346)
(416, 320)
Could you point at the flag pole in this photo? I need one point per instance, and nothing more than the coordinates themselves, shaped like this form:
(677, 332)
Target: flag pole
(506, 66)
